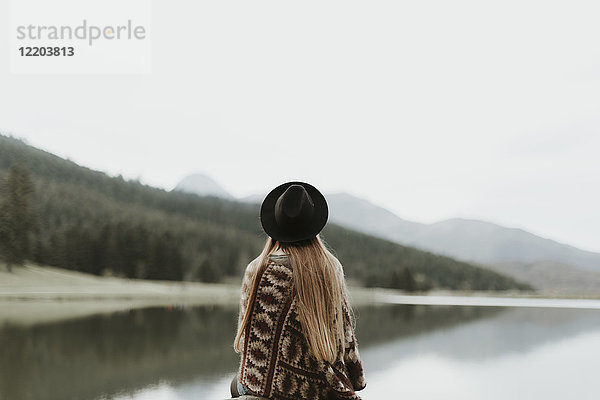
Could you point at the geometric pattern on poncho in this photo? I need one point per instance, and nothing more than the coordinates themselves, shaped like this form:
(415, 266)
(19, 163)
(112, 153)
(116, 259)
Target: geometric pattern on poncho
(276, 361)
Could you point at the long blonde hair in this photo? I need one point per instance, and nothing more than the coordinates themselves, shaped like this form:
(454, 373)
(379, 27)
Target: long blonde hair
(320, 291)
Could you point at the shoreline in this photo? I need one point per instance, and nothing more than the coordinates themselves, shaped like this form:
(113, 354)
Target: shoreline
(32, 294)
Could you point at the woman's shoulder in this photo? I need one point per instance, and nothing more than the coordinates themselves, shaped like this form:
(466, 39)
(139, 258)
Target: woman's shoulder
(275, 263)
(277, 271)
(251, 269)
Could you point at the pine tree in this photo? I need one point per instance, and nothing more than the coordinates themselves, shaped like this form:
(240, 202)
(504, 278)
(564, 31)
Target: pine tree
(16, 216)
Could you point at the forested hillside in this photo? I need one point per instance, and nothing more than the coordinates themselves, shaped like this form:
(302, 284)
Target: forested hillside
(85, 220)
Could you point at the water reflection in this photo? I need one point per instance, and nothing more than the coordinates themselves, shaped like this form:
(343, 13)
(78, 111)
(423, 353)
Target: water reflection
(116, 354)
(477, 333)
(385, 322)
(520, 353)
(186, 353)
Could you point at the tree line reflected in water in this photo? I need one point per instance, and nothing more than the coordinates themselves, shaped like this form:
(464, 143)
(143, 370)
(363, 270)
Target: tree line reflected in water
(107, 355)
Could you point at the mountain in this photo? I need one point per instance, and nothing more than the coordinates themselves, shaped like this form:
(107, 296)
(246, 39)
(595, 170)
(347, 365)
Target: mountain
(363, 216)
(91, 222)
(490, 243)
(202, 185)
(253, 198)
(465, 239)
(513, 252)
(552, 276)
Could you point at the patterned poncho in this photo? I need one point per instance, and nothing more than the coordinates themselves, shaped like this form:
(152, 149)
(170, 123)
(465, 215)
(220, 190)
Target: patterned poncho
(276, 361)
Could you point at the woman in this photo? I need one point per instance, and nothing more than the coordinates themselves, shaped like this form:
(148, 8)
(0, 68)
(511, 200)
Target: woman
(295, 334)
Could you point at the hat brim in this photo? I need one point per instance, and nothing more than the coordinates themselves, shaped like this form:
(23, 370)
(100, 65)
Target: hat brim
(316, 225)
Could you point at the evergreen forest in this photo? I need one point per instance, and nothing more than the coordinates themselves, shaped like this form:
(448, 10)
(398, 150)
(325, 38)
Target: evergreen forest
(55, 212)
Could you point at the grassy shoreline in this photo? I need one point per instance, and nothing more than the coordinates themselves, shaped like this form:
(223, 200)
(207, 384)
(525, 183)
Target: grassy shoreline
(33, 294)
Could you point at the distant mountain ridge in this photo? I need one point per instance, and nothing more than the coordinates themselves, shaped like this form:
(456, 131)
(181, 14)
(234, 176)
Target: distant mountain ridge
(202, 185)
(465, 239)
(509, 244)
(552, 277)
(544, 263)
(346, 209)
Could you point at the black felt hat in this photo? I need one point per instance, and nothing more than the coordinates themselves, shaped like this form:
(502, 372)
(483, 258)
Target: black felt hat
(293, 211)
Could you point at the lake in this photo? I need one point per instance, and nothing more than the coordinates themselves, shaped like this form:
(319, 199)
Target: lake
(409, 351)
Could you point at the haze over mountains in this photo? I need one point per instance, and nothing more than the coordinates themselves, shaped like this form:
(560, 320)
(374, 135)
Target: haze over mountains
(202, 184)
(547, 264)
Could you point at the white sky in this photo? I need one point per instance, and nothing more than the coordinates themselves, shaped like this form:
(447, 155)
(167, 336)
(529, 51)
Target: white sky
(432, 109)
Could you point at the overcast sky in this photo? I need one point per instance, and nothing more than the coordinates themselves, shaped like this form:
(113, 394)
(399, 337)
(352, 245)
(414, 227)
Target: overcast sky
(432, 109)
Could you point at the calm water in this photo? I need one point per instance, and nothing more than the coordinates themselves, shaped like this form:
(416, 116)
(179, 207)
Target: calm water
(415, 351)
